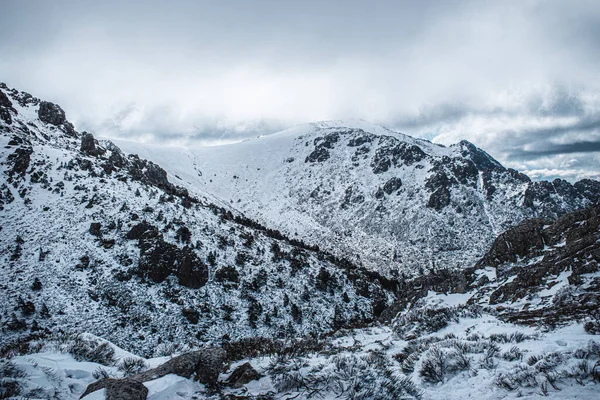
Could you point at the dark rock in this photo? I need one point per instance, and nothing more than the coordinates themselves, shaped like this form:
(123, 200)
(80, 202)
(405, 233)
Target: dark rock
(125, 389)
(158, 259)
(351, 198)
(360, 140)
(439, 199)
(537, 251)
(242, 375)
(206, 364)
(589, 189)
(119, 389)
(227, 274)
(192, 273)
(88, 144)
(482, 160)
(142, 230)
(516, 242)
(320, 154)
(464, 171)
(96, 229)
(395, 153)
(51, 113)
(322, 144)
(392, 185)
(4, 100)
(191, 314)
(20, 160)
(5, 108)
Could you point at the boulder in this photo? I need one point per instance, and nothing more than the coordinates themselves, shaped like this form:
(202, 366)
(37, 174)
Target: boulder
(88, 144)
(206, 364)
(125, 389)
(51, 113)
(242, 375)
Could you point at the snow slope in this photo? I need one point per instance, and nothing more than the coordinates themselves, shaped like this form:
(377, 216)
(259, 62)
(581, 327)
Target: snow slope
(393, 202)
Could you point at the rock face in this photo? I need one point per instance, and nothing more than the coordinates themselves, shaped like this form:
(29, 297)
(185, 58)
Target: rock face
(51, 113)
(5, 108)
(517, 242)
(242, 375)
(159, 259)
(540, 254)
(88, 144)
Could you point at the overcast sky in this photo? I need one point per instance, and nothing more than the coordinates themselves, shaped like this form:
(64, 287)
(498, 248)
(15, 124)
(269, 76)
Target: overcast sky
(519, 78)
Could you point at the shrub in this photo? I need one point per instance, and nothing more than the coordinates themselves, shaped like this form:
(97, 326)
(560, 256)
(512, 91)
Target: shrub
(100, 373)
(427, 319)
(90, 350)
(434, 366)
(10, 374)
(513, 354)
(132, 365)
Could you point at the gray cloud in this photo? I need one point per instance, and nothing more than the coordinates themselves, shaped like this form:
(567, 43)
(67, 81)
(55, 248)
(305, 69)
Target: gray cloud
(516, 78)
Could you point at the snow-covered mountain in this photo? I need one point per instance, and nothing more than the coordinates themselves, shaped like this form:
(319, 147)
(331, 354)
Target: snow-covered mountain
(248, 248)
(391, 202)
(94, 240)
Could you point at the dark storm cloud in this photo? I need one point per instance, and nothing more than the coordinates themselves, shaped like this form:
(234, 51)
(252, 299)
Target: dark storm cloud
(518, 78)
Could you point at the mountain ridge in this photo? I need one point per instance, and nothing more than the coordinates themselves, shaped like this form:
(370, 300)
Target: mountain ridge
(339, 185)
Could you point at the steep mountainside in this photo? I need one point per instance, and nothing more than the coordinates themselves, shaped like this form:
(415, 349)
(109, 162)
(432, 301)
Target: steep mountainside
(395, 203)
(97, 242)
(94, 240)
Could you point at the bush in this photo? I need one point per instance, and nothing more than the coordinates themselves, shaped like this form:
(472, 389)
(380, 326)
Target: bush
(10, 374)
(423, 320)
(434, 366)
(90, 350)
(513, 354)
(350, 376)
(132, 365)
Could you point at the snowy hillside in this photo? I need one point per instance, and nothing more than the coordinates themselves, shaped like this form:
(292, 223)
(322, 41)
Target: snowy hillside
(99, 242)
(229, 274)
(392, 202)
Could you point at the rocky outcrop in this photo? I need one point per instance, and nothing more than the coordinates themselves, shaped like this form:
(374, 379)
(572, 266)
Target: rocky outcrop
(204, 365)
(519, 241)
(242, 375)
(322, 144)
(88, 144)
(537, 251)
(125, 389)
(50, 113)
(5, 108)
(159, 259)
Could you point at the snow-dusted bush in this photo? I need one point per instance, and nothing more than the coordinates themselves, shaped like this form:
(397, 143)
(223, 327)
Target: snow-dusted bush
(10, 374)
(100, 373)
(87, 349)
(428, 319)
(434, 365)
(513, 354)
(440, 362)
(514, 337)
(343, 376)
(132, 365)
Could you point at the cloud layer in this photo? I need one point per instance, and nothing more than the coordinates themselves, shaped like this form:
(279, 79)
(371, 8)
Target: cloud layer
(517, 78)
